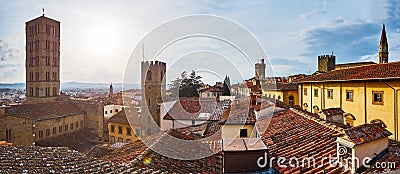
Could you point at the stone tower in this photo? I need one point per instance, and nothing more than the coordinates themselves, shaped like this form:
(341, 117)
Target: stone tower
(110, 94)
(326, 63)
(153, 87)
(42, 59)
(383, 47)
(260, 70)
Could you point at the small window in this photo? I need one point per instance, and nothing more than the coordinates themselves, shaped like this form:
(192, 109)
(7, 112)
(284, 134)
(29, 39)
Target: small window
(315, 92)
(120, 140)
(112, 128)
(60, 129)
(243, 133)
(76, 125)
(105, 112)
(137, 132)
(66, 128)
(41, 134)
(193, 122)
(116, 110)
(54, 130)
(81, 123)
(110, 111)
(128, 140)
(71, 126)
(305, 91)
(112, 140)
(349, 95)
(279, 97)
(128, 131)
(119, 129)
(377, 97)
(291, 100)
(330, 94)
(47, 132)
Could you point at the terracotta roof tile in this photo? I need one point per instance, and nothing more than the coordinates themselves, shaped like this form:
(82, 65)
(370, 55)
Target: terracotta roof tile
(376, 71)
(43, 111)
(366, 133)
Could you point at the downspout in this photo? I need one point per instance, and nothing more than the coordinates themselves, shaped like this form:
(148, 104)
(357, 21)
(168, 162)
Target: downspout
(301, 96)
(340, 98)
(311, 99)
(323, 96)
(365, 102)
(395, 110)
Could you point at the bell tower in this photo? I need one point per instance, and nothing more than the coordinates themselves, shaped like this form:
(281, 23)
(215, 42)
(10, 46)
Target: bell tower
(42, 59)
(383, 47)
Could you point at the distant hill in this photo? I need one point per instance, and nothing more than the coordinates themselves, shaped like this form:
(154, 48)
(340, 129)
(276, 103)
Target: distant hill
(75, 85)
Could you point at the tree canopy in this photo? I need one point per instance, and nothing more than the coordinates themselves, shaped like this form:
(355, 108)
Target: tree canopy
(185, 86)
(226, 87)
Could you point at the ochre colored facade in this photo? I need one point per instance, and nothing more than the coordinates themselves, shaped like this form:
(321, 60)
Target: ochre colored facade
(362, 105)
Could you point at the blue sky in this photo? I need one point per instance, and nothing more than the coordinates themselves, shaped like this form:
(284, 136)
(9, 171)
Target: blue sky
(98, 37)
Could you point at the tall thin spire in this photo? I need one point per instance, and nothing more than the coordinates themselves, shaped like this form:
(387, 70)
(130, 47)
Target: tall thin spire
(383, 36)
(383, 47)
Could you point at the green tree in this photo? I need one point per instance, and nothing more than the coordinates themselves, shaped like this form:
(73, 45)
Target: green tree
(186, 86)
(226, 87)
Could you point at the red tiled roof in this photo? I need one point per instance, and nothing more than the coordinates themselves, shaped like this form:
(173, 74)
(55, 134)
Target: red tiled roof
(332, 111)
(377, 71)
(44, 111)
(211, 89)
(366, 133)
(279, 86)
(190, 109)
(289, 134)
(119, 117)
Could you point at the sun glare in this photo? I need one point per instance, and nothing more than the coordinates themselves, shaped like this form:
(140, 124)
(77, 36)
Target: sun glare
(101, 40)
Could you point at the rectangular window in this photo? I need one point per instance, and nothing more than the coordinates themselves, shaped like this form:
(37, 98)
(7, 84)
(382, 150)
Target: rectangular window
(71, 126)
(112, 128)
(54, 91)
(110, 111)
(41, 134)
(119, 129)
(47, 91)
(315, 92)
(116, 110)
(37, 92)
(243, 133)
(128, 140)
(31, 91)
(137, 132)
(76, 125)
(47, 132)
(120, 140)
(81, 123)
(105, 112)
(128, 131)
(349, 95)
(305, 91)
(112, 141)
(54, 130)
(193, 122)
(377, 97)
(330, 94)
(60, 129)
(66, 127)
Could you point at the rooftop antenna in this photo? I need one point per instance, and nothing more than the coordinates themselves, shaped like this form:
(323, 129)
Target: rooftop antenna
(43, 11)
(143, 53)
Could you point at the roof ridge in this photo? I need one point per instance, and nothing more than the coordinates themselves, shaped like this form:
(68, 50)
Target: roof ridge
(319, 121)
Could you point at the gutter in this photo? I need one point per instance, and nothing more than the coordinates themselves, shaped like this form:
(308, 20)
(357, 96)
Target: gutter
(395, 110)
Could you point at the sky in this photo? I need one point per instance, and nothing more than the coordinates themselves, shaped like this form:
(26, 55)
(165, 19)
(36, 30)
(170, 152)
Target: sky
(98, 38)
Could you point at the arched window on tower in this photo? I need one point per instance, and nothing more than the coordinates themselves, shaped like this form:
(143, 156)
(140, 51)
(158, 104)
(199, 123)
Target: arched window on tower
(148, 76)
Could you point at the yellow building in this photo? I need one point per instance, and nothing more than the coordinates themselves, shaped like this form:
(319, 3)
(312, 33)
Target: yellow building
(366, 93)
(284, 92)
(120, 130)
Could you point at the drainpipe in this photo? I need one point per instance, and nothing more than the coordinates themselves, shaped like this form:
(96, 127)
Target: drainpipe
(301, 96)
(365, 102)
(311, 106)
(395, 110)
(340, 97)
(323, 96)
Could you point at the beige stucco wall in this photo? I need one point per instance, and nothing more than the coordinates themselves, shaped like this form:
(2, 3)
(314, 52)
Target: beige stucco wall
(233, 131)
(21, 130)
(370, 149)
(57, 122)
